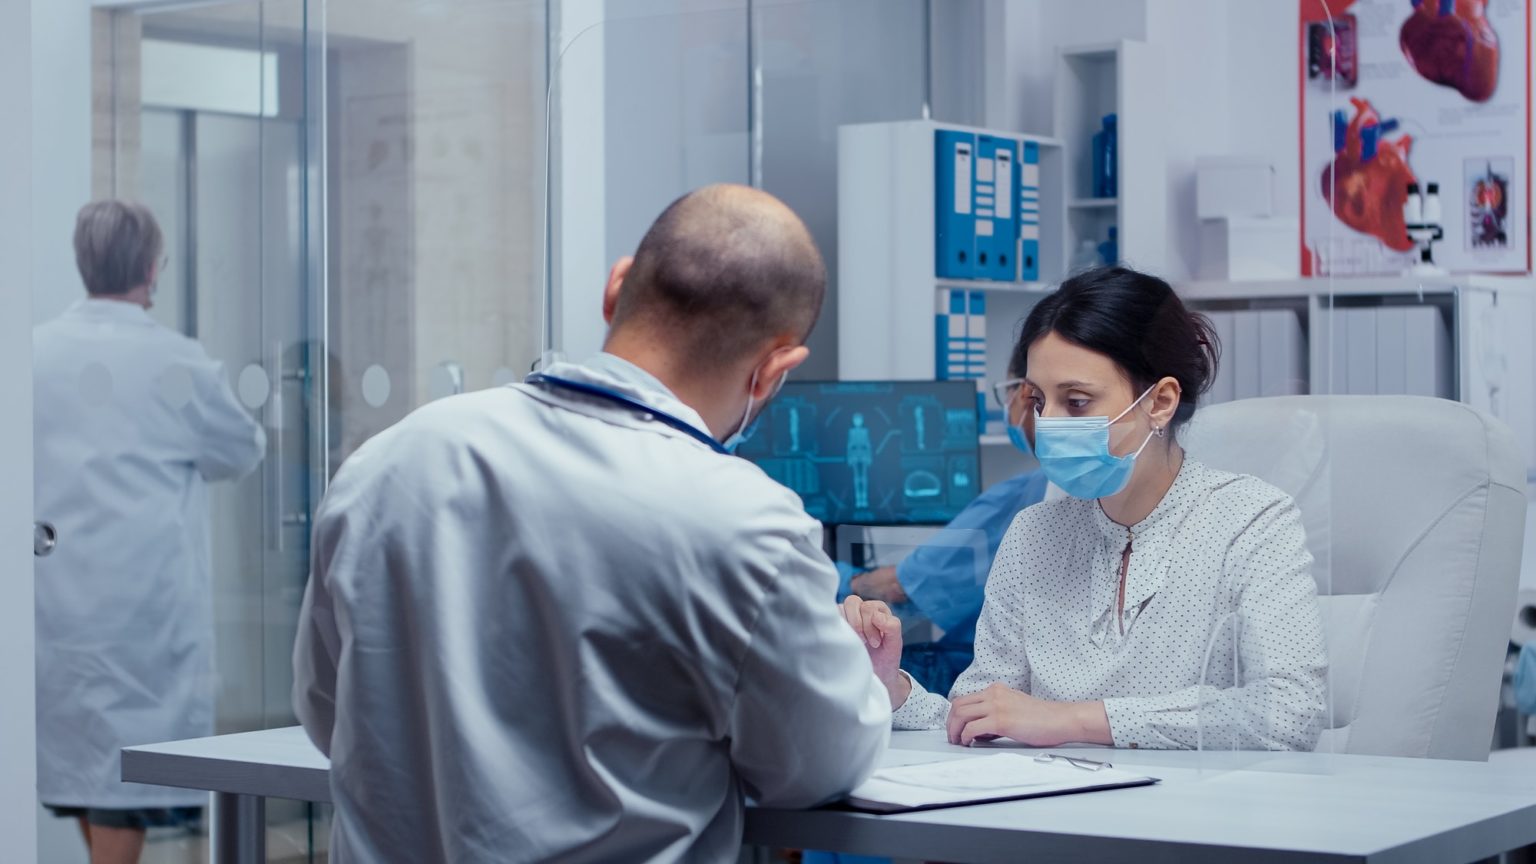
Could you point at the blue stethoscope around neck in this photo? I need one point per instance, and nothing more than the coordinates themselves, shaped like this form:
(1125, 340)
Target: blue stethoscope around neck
(599, 392)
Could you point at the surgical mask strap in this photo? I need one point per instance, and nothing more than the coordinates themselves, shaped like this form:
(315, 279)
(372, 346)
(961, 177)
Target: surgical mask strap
(747, 414)
(1121, 415)
(1156, 431)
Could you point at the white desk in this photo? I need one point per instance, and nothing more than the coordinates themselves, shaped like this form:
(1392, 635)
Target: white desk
(1209, 807)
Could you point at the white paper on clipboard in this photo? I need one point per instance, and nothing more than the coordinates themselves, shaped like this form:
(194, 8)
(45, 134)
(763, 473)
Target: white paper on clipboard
(974, 780)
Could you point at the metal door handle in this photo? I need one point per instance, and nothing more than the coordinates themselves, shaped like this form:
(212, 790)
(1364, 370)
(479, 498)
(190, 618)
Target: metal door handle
(44, 538)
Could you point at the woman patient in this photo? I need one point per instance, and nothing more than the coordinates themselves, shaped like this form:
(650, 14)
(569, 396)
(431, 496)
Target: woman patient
(1163, 604)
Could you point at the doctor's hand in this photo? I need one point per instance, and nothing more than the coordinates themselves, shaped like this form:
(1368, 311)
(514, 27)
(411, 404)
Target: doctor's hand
(881, 632)
(1002, 712)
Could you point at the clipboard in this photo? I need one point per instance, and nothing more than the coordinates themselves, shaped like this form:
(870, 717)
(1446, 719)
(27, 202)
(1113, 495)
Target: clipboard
(985, 780)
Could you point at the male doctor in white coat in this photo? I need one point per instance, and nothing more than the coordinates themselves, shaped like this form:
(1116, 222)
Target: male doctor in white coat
(556, 621)
(131, 422)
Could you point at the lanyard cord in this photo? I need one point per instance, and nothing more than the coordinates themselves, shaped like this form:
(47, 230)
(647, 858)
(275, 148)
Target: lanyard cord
(593, 390)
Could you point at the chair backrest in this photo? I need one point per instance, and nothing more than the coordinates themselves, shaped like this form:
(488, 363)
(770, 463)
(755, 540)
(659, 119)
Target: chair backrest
(1415, 512)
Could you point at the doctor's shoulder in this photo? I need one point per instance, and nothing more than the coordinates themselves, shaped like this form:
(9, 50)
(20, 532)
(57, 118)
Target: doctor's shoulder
(742, 505)
(742, 491)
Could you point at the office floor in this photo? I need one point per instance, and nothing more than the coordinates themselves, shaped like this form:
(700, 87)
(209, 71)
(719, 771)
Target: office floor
(287, 843)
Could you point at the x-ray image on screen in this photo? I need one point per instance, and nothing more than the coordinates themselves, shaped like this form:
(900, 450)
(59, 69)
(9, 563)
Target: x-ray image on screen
(873, 453)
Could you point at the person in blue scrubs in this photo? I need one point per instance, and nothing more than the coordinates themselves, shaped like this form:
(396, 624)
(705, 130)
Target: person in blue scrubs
(942, 580)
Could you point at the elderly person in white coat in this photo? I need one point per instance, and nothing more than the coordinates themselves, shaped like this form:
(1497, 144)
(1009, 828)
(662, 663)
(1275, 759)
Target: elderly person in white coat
(132, 421)
(557, 621)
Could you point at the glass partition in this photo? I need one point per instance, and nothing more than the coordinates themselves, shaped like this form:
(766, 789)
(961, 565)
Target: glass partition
(352, 200)
(369, 205)
(1271, 666)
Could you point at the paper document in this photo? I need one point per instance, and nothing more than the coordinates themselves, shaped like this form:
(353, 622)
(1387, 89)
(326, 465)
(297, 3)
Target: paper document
(983, 778)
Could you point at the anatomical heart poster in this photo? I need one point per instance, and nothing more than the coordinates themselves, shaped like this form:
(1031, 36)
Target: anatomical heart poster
(1425, 96)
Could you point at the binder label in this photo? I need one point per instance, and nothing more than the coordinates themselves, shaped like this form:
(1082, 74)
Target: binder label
(963, 179)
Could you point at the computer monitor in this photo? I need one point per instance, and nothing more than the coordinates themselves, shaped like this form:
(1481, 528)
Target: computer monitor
(873, 452)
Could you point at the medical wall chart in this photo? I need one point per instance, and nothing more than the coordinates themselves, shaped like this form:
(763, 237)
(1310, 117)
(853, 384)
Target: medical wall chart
(1400, 92)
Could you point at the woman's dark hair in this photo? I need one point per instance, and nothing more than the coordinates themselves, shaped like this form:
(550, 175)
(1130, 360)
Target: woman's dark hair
(1135, 320)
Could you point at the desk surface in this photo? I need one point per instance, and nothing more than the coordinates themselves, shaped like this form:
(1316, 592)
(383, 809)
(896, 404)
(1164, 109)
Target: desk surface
(1209, 807)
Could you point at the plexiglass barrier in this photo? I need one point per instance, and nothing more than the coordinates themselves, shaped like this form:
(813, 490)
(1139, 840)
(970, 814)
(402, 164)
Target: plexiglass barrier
(1271, 653)
(395, 202)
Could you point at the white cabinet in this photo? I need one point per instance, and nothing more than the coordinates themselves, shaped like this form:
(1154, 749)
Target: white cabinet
(887, 279)
(1125, 79)
(1456, 337)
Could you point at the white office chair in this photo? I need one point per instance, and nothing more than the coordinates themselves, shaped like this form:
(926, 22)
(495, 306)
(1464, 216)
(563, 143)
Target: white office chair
(1415, 512)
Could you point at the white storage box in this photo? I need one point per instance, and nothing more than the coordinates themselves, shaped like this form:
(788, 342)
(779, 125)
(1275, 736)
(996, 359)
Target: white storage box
(1241, 247)
(1231, 186)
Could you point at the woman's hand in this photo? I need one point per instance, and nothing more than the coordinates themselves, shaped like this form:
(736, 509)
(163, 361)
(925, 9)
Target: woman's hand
(881, 632)
(1002, 712)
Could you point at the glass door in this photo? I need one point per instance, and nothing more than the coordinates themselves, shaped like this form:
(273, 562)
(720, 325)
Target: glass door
(214, 129)
(353, 202)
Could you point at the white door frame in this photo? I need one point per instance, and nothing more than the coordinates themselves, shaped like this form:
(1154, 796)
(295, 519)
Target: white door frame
(18, 719)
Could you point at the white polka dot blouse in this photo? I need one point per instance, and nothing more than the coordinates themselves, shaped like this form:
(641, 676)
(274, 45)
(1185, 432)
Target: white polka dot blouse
(1220, 644)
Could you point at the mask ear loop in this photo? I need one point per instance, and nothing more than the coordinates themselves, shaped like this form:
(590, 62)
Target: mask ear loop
(1121, 415)
(746, 416)
(1157, 431)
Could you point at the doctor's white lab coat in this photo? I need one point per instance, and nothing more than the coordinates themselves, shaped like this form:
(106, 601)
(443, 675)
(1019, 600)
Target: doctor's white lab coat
(130, 421)
(541, 626)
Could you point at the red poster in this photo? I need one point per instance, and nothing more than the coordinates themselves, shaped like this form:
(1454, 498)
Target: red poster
(1415, 133)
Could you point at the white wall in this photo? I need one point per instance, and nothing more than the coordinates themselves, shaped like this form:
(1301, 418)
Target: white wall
(1263, 99)
(1199, 102)
(1230, 79)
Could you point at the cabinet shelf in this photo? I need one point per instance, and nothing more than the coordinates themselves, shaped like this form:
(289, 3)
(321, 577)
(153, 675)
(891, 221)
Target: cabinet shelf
(991, 285)
(1125, 79)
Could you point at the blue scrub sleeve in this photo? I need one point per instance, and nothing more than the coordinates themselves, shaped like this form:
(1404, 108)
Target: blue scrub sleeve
(946, 577)
(845, 574)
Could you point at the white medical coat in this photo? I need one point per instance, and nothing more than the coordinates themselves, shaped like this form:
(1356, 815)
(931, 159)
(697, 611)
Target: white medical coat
(541, 626)
(130, 421)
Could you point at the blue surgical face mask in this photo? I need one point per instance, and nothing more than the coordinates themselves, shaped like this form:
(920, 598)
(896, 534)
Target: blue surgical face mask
(1074, 453)
(748, 424)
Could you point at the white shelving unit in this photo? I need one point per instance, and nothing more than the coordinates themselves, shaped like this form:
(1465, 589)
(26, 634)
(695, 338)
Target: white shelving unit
(1126, 79)
(886, 274)
(886, 252)
(1489, 362)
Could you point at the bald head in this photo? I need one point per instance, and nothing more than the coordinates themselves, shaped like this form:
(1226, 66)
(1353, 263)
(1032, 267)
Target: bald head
(724, 271)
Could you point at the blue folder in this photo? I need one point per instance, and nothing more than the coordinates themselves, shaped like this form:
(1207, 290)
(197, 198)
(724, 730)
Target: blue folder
(1029, 213)
(996, 213)
(954, 204)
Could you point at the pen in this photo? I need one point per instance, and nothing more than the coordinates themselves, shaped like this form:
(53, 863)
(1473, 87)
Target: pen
(1074, 761)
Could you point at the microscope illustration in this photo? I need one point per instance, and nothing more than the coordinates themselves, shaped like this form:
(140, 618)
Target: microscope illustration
(1422, 215)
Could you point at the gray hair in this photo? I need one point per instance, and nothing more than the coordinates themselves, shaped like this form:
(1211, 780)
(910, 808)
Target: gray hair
(116, 246)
